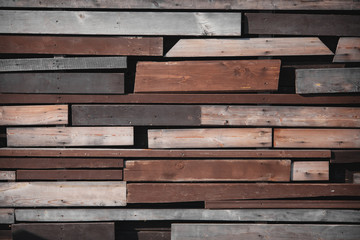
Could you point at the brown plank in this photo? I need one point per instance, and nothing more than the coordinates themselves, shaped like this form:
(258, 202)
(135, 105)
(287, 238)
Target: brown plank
(146, 235)
(345, 156)
(317, 138)
(207, 170)
(210, 138)
(5, 235)
(310, 171)
(207, 76)
(190, 192)
(348, 50)
(298, 24)
(69, 175)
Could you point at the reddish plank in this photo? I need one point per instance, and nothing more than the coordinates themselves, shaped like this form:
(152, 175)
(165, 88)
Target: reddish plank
(69, 175)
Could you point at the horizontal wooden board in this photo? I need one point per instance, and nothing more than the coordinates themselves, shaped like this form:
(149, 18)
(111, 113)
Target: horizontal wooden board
(310, 171)
(145, 234)
(210, 138)
(75, 45)
(121, 23)
(345, 156)
(298, 24)
(5, 234)
(83, 83)
(317, 138)
(7, 175)
(347, 50)
(60, 231)
(55, 64)
(69, 175)
(197, 231)
(207, 76)
(7, 216)
(34, 115)
(280, 116)
(335, 80)
(207, 170)
(248, 47)
(63, 194)
(191, 192)
(136, 115)
(70, 136)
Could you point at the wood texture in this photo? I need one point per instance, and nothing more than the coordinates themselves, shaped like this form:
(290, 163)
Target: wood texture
(345, 156)
(310, 171)
(136, 115)
(120, 23)
(69, 175)
(7, 175)
(356, 177)
(83, 83)
(34, 115)
(335, 80)
(210, 138)
(248, 47)
(5, 235)
(54, 64)
(70, 136)
(317, 138)
(347, 50)
(127, 46)
(207, 76)
(298, 24)
(7, 216)
(62, 194)
(207, 170)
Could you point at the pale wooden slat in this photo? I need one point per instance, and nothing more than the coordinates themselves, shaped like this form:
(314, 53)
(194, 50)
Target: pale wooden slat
(7, 175)
(7, 216)
(348, 50)
(310, 171)
(356, 177)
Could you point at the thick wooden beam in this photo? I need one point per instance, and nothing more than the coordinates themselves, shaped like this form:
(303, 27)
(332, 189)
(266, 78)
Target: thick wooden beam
(62, 194)
(207, 170)
(34, 115)
(69, 175)
(207, 76)
(348, 50)
(7, 216)
(345, 156)
(7, 175)
(310, 171)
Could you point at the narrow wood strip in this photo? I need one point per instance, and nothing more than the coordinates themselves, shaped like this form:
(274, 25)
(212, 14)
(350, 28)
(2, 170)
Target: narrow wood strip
(34, 115)
(57, 194)
(69, 175)
(7, 216)
(145, 234)
(347, 50)
(310, 171)
(7, 175)
(345, 156)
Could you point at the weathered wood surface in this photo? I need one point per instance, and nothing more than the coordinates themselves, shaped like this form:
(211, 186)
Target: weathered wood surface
(317, 138)
(207, 170)
(345, 156)
(237, 215)
(34, 115)
(207, 76)
(80, 83)
(69, 175)
(210, 138)
(310, 171)
(197, 231)
(74, 45)
(53, 163)
(248, 47)
(120, 23)
(191, 192)
(280, 116)
(61, 231)
(136, 115)
(335, 80)
(302, 24)
(62, 194)
(54, 64)
(348, 50)
(356, 177)
(70, 136)
(7, 175)
(7, 216)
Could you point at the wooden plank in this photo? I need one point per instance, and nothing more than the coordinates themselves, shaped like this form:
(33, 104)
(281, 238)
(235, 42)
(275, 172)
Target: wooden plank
(60, 231)
(203, 76)
(76, 45)
(347, 50)
(7, 175)
(207, 170)
(280, 116)
(317, 138)
(83, 83)
(298, 24)
(63, 194)
(145, 235)
(55, 64)
(345, 156)
(201, 231)
(5, 235)
(70, 136)
(335, 80)
(120, 23)
(68, 175)
(210, 138)
(248, 47)
(192, 192)
(136, 115)
(356, 177)
(7, 216)
(34, 115)
(310, 171)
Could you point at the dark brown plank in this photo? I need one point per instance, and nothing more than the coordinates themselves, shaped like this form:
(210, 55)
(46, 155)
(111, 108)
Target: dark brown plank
(345, 156)
(145, 235)
(302, 24)
(5, 235)
(69, 175)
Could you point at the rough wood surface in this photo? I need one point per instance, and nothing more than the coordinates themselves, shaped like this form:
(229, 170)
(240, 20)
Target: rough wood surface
(34, 115)
(7, 216)
(356, 177)
(62, 194)
(207, 76)
(7, 175)
(70, 136)
(146, 234)
(207, 170)
(345, 156)
(317, 138)
(348, 50)
(248, 47)
(69, 175)
(210, 138)
(310, 171)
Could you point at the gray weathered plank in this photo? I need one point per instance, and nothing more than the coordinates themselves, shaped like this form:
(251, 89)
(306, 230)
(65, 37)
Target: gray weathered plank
(348, 50)
(7, 216)
(7, 175)
(310, 171)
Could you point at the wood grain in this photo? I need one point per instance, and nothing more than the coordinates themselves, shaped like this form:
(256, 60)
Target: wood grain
(345, 156)
(7, 175)
(69, 175)
(207, 76)
(348, 50)
(310, 171)
(7, 216)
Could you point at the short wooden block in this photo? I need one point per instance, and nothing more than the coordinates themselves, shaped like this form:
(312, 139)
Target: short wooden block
(345, 156)
(310, 171)
(7, 175)
(348, 50)
(69, 175)
(7, 215)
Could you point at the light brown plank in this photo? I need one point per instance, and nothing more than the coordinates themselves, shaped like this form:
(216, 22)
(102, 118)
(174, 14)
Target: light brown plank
(7, 175)
(7, 215)
(348, 50)
(68, 175)
(310, 171)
